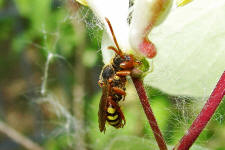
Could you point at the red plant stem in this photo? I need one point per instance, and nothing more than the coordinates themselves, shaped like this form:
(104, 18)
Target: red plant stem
(205, 115)
(148, 111)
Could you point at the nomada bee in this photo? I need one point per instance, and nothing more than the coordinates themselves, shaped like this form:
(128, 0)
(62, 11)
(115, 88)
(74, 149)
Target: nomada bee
(112, 81)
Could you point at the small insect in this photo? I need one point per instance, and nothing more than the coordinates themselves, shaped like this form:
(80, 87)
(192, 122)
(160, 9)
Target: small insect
(113, 81)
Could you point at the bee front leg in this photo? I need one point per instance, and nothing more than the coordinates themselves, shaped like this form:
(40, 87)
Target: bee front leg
(101, 83)
(123, 73)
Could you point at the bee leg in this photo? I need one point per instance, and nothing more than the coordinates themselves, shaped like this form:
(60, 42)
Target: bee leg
(100, 83)
(123, 73)
(109, 99)
(123, 118)
(123, 97)
(119, 91)
(110, 80)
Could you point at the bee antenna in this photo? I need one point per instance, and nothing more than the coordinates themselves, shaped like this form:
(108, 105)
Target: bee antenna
(118, 51)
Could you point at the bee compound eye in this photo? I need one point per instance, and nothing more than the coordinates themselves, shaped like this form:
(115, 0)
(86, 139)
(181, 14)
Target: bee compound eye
(117, 60)
(128, 58)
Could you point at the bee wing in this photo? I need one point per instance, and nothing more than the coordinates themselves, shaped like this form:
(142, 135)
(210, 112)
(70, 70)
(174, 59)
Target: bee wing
(102, 113)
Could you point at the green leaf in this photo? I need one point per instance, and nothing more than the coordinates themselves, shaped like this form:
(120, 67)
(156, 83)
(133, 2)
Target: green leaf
(89, 58)
(1, 3)
(160, 107)
(131, 143)
(36, 10)
(197, 147)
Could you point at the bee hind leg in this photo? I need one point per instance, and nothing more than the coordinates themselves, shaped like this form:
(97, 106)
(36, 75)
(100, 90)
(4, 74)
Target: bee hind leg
(119, 90)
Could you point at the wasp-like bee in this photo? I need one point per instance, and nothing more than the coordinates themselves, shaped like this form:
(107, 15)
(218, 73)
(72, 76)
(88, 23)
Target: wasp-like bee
(112, 81)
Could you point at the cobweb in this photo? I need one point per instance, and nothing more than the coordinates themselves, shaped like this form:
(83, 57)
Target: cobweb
(65, 122)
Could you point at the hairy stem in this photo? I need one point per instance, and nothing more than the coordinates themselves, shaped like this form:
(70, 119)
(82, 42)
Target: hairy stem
(205, 115)
(18, 138)
(148, 111)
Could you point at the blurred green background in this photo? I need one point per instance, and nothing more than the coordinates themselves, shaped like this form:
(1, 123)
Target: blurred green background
(49, 67)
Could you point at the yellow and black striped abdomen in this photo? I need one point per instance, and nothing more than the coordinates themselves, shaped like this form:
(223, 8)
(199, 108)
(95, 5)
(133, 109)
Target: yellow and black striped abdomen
(113, 117)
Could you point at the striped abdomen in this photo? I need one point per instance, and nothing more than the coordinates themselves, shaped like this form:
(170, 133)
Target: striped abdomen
(113, 117)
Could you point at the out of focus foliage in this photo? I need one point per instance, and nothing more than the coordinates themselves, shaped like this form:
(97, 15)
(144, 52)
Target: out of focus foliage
(33, 29)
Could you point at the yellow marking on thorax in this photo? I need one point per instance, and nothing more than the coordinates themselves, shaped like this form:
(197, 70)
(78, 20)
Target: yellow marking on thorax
(116, 77)
(182, 2)
(111, 110)
(112, 117)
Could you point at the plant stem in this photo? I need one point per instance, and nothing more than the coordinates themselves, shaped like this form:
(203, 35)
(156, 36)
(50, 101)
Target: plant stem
(138, 83)
(205, 115)
(18, 137)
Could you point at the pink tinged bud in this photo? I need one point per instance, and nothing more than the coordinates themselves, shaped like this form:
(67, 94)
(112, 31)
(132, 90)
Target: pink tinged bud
(147, 13)
(147, 48)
